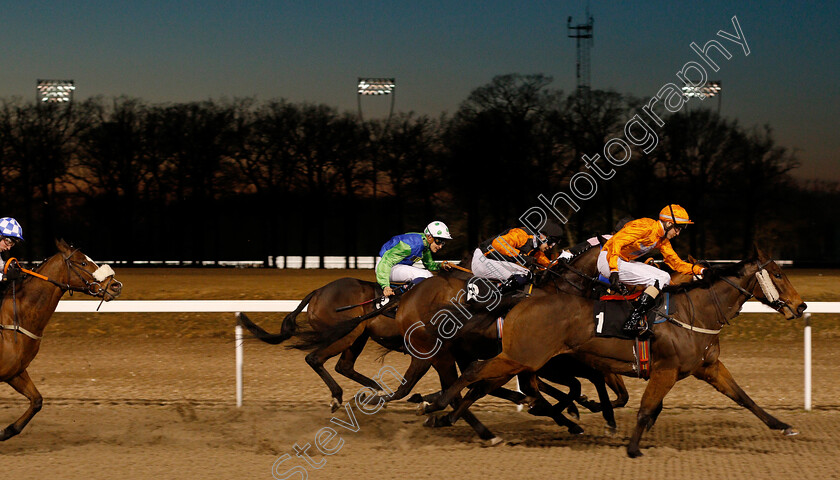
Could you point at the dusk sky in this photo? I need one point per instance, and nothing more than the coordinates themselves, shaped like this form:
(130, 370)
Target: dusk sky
(438, 52)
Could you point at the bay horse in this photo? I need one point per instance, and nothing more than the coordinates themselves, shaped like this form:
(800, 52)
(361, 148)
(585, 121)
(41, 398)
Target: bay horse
(27, 307)
(321, 307)
(687, 344)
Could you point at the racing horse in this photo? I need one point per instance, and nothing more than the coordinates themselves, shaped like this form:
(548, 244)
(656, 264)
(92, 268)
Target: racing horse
(687, 344)
(27, 307)
(326, 307)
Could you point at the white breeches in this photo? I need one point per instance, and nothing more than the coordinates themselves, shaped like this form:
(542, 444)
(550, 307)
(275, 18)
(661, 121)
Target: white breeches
(486, 267)
(406, 273)
(634, 273)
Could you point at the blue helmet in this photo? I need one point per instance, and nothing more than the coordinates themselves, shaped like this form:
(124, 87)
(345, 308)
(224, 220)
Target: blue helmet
(9, 227)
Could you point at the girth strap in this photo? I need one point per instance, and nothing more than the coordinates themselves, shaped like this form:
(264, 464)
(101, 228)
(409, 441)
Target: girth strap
(18, 328)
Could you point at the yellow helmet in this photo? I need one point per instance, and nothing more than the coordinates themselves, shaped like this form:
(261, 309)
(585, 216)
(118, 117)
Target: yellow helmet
(676, 214)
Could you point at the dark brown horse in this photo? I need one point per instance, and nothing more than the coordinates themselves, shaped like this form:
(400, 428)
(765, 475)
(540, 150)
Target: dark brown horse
(27, 307)
(538, 329)
(321, 305)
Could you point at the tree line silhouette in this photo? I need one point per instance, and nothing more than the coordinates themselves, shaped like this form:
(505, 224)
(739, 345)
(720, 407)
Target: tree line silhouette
(244, 180)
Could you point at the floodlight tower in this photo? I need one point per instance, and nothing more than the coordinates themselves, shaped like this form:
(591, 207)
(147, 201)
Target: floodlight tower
(583, 34)
(376, 87)
(54, 91)
(711, 88)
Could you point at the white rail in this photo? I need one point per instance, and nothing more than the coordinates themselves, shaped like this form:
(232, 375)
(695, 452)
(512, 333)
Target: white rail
(233, 306)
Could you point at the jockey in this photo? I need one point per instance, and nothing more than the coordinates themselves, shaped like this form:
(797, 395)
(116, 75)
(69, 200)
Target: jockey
(10, 233)
(637, 238)
(506, 256)
(399, 254)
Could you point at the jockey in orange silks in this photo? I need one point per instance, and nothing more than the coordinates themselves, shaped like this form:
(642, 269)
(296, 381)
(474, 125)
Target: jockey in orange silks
(635, 239)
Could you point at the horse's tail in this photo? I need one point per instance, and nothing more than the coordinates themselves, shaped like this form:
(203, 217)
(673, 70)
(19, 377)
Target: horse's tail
(315, 340)
(287, 330)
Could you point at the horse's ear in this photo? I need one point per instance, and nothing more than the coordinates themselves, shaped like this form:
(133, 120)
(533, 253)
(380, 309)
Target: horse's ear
(691, 259)
(758, 253)
(62, 245)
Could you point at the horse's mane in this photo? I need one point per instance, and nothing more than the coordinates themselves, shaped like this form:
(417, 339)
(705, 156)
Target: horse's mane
(726, 270)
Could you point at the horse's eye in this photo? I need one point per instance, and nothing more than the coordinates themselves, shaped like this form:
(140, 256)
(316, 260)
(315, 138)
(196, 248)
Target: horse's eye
(84, 264)
(777, 275)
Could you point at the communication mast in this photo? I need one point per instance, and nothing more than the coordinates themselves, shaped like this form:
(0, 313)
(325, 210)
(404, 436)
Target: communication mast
(582, 33)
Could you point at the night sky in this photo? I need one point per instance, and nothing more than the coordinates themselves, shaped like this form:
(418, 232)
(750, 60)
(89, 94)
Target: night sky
(438, 52)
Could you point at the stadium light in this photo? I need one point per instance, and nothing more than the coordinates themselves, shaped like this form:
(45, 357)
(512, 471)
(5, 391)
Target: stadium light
(709, 89)
(55, 91)
(376, 86)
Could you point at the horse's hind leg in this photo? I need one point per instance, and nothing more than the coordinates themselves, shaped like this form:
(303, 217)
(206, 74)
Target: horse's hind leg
(317, 358)
(718, 376)
(346, 363)
(616, 384)
(23, 385)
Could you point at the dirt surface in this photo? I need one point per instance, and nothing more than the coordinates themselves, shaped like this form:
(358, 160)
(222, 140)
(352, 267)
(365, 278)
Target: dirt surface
(152, 397)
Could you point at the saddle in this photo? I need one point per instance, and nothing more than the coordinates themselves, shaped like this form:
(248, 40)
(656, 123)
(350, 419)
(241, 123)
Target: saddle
(610, 312)
(382, 302)
(485, 292)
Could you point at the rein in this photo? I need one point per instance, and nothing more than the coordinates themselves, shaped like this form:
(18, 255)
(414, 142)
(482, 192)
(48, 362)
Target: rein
(92, 288)
(761, 273)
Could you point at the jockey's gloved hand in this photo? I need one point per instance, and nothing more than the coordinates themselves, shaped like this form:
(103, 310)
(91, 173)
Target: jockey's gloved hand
(614, 283)
(13, 272)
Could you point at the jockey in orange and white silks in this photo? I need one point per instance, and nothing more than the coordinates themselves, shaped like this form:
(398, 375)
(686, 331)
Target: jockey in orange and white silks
(506, 256)
(636, 239)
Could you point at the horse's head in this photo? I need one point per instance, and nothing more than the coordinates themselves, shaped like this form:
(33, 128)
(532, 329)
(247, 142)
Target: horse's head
(84, 275)
(774, 288)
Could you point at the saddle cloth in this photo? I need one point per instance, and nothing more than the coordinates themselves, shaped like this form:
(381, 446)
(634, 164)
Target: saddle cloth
(610, 313)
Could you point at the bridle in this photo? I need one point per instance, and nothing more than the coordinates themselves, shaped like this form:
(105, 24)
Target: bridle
(92, 287)
(771, 293)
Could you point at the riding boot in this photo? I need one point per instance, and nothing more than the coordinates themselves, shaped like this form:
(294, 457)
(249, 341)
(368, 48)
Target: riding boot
(515, 282)
(636, 324)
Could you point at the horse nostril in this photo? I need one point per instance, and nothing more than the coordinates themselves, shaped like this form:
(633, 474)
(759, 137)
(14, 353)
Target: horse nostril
(802, 308)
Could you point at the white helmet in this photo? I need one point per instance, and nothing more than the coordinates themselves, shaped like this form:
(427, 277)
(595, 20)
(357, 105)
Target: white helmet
(438, 230)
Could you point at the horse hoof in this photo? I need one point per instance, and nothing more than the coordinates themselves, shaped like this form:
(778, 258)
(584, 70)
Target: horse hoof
(576, 430)
(421, 408)
(438, 421)
(790, 432)
(610, 430)
(520, 407)
(634, 453)
(416, 398)
(335, 404)
(492, 442)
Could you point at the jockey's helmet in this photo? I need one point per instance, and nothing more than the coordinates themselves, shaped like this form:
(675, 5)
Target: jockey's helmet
(676, 214)
(438, 230)
(9, 227)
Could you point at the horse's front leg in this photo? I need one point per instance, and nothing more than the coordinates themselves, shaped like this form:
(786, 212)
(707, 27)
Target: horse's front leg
(661, 382)
(718, 376)
(23, 385)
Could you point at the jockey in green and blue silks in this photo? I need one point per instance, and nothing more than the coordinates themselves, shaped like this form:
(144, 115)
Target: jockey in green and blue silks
(399, 254)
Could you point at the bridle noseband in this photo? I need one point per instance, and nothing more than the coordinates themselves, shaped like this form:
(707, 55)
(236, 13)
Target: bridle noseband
(767, 288)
